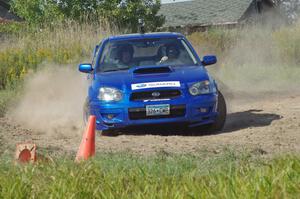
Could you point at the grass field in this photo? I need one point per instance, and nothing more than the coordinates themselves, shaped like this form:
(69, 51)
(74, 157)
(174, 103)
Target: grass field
(224, 175)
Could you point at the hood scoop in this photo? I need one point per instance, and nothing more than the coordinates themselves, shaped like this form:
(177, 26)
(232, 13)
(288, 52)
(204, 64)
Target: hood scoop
(152, 70)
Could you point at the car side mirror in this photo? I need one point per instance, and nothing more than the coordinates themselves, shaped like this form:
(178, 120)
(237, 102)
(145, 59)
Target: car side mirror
(85, 68)
(209, 60)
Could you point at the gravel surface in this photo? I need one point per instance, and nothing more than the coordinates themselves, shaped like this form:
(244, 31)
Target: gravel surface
(266, 125)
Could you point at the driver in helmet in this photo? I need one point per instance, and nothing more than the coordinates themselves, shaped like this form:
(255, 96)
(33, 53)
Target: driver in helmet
(172, 55)
(172, 52)
(126, 55)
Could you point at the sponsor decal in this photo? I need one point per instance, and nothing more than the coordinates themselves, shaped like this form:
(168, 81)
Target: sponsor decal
(141, 85)
(155, 85)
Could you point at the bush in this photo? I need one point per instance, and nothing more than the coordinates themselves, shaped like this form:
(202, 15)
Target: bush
(288, 40)
(282, 45)
(37, 11)
(64, 45)
(214, 41)
(122, 15)
(6, 99)
(9, 28)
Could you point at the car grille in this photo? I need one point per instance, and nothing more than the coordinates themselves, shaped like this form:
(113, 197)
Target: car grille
(156, 94)
(140, 113)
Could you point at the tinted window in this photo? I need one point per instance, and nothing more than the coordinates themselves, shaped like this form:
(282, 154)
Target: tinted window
(122, 55)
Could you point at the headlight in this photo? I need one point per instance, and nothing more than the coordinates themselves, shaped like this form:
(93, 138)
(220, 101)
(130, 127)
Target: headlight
(110, 94)
(200, 88)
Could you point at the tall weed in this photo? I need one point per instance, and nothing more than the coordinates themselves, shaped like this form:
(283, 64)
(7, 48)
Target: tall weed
(66, 44)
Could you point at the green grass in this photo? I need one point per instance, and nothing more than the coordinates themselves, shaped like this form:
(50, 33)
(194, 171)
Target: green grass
(7, 98)
(225, 175)
(67, 44)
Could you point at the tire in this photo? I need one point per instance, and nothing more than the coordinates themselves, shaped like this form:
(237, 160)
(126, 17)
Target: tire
(86, 115)
(219, 123)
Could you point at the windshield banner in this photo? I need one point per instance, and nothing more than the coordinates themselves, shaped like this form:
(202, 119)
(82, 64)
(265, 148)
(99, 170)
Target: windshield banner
(155, 85)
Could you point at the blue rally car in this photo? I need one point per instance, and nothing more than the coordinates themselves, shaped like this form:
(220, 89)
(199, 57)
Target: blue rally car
(152, 79)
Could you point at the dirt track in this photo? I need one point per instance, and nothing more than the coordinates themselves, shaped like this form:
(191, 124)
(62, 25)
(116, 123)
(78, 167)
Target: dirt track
(268, 125)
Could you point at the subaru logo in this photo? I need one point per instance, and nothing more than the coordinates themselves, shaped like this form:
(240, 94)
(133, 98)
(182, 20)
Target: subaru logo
(141, 85)
(155, 94)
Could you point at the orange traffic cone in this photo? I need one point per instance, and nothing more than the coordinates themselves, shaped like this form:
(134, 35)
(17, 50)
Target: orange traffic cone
(25, 153)
(87, 146)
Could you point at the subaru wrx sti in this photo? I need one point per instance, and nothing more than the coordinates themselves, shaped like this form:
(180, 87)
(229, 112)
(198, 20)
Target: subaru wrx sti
(150, 79)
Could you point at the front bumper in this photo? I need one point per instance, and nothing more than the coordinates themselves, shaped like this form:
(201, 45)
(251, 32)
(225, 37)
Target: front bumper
(194, 111)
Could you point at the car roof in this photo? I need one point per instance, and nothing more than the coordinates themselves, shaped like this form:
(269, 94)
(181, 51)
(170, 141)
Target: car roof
(154, 35)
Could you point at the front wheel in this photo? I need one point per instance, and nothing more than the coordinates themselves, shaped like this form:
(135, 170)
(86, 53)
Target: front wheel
(86, 115)
(219, 123)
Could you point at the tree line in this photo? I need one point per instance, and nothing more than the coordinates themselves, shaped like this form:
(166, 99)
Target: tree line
(120, 14)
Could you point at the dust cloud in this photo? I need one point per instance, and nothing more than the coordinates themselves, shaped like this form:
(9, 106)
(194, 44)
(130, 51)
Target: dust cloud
(52, 101)
(254, 66)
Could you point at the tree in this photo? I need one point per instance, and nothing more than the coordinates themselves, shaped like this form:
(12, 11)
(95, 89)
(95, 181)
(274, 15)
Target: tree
(125, 14)
(79, 10)
(37, 11)
(120, 14)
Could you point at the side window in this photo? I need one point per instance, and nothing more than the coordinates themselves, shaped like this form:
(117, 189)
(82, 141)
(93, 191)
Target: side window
(104, 55)
(95, 53)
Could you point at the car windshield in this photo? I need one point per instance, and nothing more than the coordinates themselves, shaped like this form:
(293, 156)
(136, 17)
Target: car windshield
(122, 55)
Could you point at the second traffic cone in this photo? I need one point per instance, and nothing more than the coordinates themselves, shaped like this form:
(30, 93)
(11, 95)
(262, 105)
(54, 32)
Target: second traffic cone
(25, 153)
(87, 146)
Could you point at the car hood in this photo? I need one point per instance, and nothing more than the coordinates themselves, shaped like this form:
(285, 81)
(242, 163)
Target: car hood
(124, 79)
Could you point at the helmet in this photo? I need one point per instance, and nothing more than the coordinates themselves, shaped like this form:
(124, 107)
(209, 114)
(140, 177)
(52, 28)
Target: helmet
(125, 48)
(172, 51)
